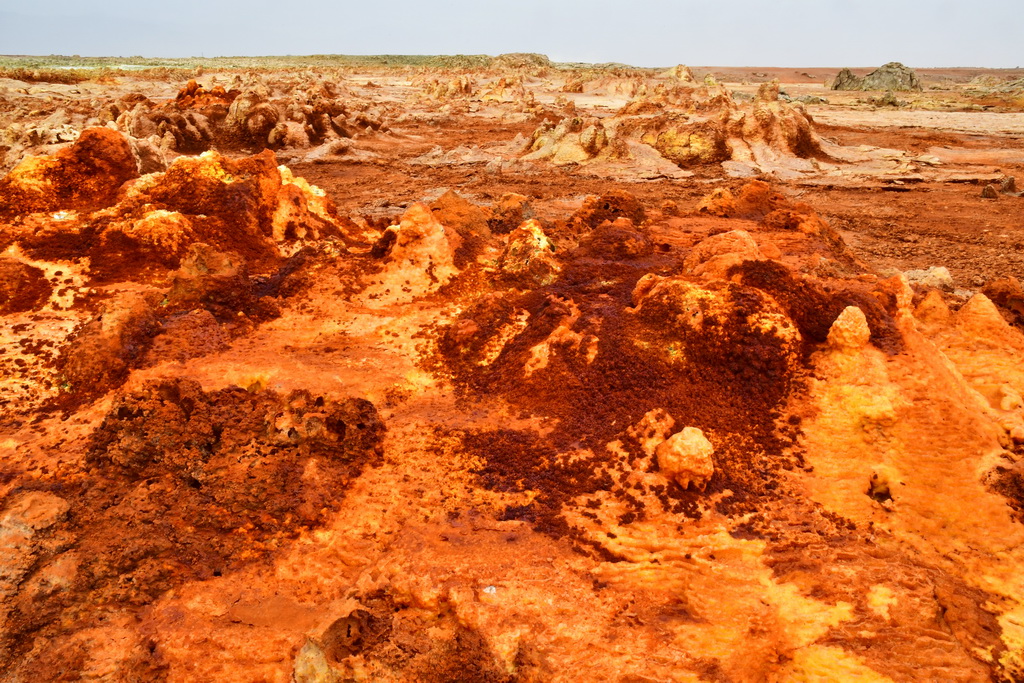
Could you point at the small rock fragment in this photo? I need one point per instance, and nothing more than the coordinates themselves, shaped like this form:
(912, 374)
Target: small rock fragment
(880, 485)
(685, 457)
(938, 277)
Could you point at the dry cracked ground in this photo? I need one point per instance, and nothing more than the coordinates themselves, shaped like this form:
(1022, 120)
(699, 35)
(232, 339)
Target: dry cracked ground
(515, 373)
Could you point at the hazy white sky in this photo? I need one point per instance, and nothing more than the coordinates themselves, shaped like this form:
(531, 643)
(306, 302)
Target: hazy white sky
(640, 32)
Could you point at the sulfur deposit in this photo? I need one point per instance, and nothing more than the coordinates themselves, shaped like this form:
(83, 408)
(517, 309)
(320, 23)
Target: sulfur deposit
(588, 405)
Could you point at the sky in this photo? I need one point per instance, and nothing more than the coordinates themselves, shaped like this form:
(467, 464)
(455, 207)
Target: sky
(808, 33)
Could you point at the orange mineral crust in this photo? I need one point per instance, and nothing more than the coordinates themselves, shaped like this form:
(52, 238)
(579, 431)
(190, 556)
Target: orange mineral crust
(509, 373)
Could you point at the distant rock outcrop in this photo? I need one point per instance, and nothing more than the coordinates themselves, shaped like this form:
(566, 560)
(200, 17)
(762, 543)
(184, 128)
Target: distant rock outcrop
(521, 60)
(686, 127)
(892, 76)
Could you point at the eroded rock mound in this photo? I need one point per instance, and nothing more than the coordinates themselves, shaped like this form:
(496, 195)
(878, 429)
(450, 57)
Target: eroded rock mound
(418, 252)
(85, 176)
(687, 126)
(77, 204)
(520, 60)
(39, 130)
(310, 112)
(666, 340)
(892, 76)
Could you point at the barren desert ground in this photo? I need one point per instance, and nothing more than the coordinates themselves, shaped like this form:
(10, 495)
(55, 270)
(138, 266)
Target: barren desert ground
(495, 369)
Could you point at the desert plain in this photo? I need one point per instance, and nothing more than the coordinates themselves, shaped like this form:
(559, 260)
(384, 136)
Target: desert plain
(498, 369)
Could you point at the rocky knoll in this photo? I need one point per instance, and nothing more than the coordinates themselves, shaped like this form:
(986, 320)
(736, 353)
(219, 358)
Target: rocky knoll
(892, 76)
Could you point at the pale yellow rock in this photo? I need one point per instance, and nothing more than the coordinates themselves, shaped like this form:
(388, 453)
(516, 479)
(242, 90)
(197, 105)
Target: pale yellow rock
(682, 73)
(883, 483)
(593, 139)
(685, 457)
(311, 666)
(529, 255)
(850, 330)
(826, 664)
(880, 599)
(569, 152)
(295, 200)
